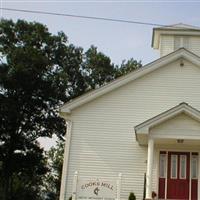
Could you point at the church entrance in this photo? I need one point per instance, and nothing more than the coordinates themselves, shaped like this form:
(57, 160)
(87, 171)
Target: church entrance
(178, 175)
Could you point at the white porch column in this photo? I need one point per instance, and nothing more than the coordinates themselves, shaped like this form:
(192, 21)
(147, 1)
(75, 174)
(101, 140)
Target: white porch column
(149, 169)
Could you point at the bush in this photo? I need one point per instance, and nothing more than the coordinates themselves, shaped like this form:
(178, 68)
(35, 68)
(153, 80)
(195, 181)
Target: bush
(132, 196)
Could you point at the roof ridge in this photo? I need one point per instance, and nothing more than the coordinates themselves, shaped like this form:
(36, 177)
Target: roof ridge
(181, 25)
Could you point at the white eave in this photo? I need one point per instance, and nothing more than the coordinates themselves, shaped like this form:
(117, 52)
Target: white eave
(142, 130)
(176, 29)
(89, 96)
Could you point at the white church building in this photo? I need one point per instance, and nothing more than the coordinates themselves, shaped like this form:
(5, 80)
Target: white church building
(144, 126)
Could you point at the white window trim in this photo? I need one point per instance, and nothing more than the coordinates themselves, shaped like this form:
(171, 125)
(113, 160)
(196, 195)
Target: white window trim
(181, 39)
(180, 168)
(181, 42)
(165, 159)
(176, 156)
(196, 158)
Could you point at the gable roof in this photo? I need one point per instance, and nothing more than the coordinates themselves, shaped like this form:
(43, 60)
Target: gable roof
(142, 130)
(179, 26)
(123, 80)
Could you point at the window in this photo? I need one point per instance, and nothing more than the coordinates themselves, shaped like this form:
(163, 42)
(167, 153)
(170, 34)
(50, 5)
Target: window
(194, 167)
(183, 163)
(177, 42)
(173, 166)
(181, 41)
(162, 166)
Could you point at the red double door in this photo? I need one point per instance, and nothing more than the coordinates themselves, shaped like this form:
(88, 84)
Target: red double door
(177, 167)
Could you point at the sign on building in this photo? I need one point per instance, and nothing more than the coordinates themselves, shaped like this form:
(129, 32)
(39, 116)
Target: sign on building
(96, 188)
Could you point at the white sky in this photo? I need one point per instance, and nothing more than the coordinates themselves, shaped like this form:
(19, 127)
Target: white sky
(117, 40)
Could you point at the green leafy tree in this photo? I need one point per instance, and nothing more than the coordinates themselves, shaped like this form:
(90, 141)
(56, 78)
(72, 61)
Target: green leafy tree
(32, 86)
(127, 67)
(53, 177)
(38, 72)
(97, 68)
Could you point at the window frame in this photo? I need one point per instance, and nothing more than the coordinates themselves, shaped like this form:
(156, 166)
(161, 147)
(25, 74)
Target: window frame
(181, 41)
(162, 156)
(195, 157)
(180, 166)
(176, 166)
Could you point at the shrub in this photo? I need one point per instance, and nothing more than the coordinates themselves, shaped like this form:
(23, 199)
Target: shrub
(132, 196)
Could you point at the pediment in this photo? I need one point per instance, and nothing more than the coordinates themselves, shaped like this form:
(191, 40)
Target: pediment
(178, 119)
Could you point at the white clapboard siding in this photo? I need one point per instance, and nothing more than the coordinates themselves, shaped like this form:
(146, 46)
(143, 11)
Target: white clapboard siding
(170, 43)
(103, 142)
(166, 44)
(194, 45)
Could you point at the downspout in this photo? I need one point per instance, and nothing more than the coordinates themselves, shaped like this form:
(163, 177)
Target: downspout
(65, 160)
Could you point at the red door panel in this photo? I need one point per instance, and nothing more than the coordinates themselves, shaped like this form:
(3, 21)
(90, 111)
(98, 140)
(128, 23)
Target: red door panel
(178, 175)
(161, 192)
(194, 188)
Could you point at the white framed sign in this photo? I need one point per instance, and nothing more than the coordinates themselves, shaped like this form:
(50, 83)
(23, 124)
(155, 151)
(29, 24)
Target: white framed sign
(96, 188)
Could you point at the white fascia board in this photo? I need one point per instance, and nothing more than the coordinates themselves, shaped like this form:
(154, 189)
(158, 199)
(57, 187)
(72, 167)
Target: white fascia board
(142, 130)
(192, 58)
(180, 53)
(144, 127)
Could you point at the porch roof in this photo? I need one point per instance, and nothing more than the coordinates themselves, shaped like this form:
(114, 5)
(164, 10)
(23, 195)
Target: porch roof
(142, 130)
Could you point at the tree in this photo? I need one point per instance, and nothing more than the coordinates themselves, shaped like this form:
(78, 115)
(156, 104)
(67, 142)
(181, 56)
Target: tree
(38, 72)
(97, 68)
(52, 179)
(127, 67)
(32, 86)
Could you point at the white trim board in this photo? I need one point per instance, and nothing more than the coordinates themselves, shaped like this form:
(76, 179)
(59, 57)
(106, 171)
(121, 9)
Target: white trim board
(142, 130)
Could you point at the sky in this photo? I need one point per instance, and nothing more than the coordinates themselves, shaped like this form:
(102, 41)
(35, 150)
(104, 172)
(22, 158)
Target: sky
(117, 40)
